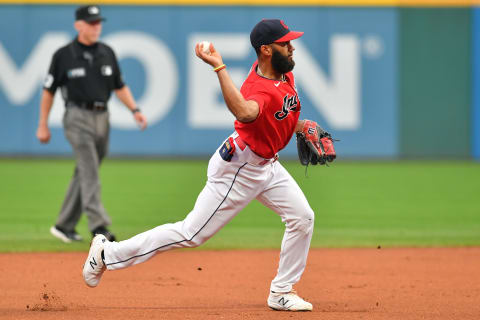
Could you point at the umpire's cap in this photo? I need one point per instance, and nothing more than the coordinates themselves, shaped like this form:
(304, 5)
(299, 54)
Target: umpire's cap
(88, 13)
(272, 30)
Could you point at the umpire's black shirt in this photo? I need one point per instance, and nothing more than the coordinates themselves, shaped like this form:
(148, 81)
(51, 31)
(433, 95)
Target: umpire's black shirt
(85, 73)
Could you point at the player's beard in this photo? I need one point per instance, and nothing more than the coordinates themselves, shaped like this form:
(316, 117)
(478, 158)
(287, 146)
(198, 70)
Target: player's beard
(280, 63)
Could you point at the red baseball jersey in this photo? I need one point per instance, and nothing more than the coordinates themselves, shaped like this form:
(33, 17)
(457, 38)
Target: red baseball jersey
(278, 116)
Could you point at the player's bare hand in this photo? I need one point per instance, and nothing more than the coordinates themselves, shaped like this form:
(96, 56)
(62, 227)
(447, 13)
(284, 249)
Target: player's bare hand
(141, 120)
(43, 134)
(213, 58)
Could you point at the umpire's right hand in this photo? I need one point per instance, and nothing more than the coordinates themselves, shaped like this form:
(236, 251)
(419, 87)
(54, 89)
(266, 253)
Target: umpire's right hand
(43, 134)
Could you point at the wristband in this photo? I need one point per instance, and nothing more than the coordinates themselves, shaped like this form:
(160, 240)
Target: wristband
(220, 67)
(135, 110)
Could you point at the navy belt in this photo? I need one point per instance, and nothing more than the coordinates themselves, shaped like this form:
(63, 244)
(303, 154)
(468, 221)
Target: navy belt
(92, 106)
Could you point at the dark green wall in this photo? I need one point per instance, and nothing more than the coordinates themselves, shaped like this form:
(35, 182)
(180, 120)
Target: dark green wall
(435, 82)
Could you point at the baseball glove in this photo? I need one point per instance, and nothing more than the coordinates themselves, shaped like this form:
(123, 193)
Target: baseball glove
(314, 145)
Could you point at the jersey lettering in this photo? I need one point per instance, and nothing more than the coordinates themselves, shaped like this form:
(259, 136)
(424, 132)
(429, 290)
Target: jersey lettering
(289, 104)
(76, 73)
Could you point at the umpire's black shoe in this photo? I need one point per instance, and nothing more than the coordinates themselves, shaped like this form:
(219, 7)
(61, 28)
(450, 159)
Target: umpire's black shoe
(102, 230)
(65, 235)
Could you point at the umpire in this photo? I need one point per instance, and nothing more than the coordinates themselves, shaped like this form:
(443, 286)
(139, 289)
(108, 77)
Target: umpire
(87, 72)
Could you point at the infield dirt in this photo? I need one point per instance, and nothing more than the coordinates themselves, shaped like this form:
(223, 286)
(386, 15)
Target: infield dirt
(426, 283)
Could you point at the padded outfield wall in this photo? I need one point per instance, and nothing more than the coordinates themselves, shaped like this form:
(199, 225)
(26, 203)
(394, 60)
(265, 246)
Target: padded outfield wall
(435, 82)
(390, 77)
(476, 84)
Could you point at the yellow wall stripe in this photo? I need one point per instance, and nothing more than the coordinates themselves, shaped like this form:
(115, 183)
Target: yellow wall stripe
(360, 3)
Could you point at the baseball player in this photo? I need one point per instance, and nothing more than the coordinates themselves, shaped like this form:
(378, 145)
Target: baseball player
(243, 168)
(87, 71)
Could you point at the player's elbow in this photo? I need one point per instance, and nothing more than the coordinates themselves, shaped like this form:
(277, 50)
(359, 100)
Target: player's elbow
(245, 118)
(247, 114)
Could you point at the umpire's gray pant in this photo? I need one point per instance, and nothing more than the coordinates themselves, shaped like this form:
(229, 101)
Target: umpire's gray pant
(88, 133)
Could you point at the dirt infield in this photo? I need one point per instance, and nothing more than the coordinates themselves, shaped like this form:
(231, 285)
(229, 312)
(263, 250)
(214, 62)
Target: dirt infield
(193, 284)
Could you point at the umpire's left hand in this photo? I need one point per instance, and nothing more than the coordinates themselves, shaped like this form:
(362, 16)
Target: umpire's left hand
(141, 120)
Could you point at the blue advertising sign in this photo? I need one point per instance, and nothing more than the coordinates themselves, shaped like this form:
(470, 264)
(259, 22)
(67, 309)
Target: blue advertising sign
(345, 73)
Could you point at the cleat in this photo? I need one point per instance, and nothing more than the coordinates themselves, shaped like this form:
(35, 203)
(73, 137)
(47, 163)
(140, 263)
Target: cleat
(94, 266)
(288, 301)
(102, 230)
(65, 236)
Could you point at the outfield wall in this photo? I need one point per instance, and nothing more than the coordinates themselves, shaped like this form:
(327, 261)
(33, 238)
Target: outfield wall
(384, 77)
(435, 82)
(476, 84)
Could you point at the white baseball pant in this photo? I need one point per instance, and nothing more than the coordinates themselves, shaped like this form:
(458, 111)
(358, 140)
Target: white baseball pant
(229, 188)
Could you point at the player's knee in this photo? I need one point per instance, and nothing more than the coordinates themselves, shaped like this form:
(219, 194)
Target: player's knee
(195, 242)
(308, 221)
(303, 222)
(192, 238)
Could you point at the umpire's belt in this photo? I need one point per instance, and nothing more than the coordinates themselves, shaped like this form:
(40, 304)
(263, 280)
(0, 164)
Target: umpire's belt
(92, 106)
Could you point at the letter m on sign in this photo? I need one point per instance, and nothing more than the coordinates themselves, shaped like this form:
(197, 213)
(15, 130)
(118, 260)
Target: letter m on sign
(20, 84)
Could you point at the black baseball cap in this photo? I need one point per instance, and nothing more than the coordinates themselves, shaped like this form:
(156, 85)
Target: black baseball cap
(271, 30)
(88, 13)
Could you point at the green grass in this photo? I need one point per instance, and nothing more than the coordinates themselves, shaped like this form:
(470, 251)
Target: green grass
(357, 204)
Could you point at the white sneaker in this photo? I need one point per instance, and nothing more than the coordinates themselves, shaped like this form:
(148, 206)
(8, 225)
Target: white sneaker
(65, 236)
(288, 301)
(94, 265)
